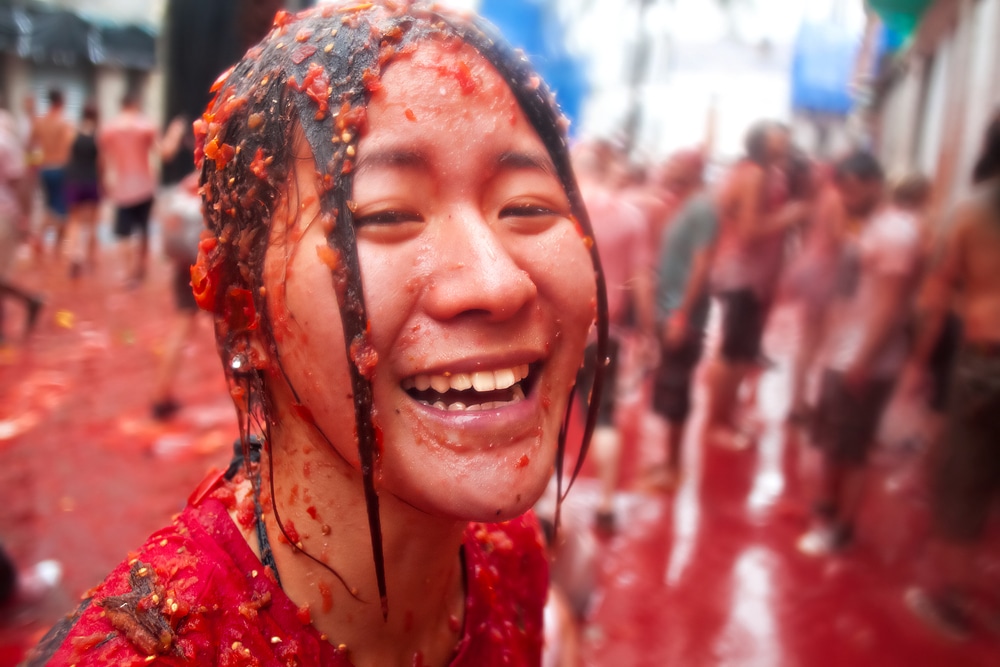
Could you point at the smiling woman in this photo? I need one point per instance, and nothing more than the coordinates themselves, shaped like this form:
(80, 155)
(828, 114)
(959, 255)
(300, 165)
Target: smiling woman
(403, 280)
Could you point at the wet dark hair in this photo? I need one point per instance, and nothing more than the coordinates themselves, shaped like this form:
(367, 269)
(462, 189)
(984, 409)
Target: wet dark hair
(861, 165)
(988, 164)
(311, 77)
(89, 112)
(755, 142)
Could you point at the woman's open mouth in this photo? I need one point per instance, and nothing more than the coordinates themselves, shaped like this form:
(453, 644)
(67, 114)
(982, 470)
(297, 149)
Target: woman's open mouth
(480, 390)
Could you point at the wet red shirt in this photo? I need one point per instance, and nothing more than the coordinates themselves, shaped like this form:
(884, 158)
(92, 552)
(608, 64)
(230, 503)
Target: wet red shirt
(195, 594)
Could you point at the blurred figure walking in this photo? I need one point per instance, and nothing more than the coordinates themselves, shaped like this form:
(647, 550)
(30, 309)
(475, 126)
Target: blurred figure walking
(83, 193)
(52, 137)
(965, 470)
(13, 221)
(682, 305)
(867, 343)
(755, 215)
(128, 146)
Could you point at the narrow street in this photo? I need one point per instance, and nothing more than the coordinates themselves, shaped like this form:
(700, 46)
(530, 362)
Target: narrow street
(709, 576)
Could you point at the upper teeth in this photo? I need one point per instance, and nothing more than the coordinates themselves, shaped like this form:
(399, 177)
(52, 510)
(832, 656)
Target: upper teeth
(480, 380)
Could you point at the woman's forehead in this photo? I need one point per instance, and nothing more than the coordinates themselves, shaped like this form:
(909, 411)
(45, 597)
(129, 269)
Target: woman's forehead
(436, 68)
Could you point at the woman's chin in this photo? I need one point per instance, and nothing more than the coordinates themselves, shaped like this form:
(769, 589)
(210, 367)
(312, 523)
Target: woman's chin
(484, 498)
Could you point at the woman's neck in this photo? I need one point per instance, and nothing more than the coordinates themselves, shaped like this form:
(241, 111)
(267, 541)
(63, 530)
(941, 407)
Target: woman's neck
(321, 506)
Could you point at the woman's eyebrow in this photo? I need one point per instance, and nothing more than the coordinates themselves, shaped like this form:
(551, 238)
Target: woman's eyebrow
(390, 158)
(516, 160)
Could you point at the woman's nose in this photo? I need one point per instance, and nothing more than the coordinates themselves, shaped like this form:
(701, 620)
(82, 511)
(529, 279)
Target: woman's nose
(475, 272)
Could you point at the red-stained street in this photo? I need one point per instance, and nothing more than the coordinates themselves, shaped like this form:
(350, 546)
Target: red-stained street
(709, 576)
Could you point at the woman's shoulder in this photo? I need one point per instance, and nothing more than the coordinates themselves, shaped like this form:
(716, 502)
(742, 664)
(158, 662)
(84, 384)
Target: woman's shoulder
(194, 593)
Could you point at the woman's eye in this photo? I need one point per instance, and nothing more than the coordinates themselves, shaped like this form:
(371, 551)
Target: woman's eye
(388, 217)
(526, 211)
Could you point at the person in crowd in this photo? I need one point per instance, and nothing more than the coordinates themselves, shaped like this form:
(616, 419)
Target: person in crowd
(679, 178)
(965, 470)
(181, 213)
(52, 137)
(14, 197)
(128, 145)
(403, 278)
(682, 305)
(755, 214)
(809, 283)
(866, 344)
(620, 232)
(83, 193)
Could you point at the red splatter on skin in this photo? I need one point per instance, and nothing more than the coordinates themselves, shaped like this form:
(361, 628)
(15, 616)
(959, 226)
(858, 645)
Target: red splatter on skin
(522, 462)
(460, 72)
(304, 413)
(290, 531)
(326, 595)
(311, 511)
(410, 115)
(303, 615)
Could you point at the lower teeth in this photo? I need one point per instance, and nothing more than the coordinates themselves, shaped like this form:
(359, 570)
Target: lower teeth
(518, 396)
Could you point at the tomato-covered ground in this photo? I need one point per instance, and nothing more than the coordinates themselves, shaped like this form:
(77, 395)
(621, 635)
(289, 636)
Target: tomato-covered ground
(707, 576)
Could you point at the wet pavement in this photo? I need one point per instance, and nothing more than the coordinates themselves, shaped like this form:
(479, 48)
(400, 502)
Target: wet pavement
(706, 576)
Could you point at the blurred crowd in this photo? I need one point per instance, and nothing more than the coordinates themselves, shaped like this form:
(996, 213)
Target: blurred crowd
(889, 301)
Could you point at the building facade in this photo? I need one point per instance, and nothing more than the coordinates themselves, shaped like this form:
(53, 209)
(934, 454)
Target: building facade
(934, 100)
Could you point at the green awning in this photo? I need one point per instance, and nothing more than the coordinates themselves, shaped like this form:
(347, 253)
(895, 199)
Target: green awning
(901, 16)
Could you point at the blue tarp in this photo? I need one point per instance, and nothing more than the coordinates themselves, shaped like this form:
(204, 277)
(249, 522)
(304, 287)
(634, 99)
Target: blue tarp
(823, 64)
(532, 26)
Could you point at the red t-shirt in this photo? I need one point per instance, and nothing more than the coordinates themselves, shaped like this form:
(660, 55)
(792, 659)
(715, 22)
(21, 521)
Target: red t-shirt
(195, 594)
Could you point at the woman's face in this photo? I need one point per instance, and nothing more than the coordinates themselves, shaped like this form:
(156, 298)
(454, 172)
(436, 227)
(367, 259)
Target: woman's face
(479, 290)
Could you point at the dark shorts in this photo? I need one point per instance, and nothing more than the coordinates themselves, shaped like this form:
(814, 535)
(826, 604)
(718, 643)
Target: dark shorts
(183, 294)
(672, 385)
(132, 219)
(846, 422)
(965, 477)
(82, 192)
(54, 189)
(744, 316)
(585, 380)
(941, 361)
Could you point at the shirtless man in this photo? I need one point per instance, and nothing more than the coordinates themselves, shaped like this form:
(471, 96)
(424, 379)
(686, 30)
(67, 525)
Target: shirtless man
(754, 216)
(52, 137)
(127, 146)
(965, 476)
